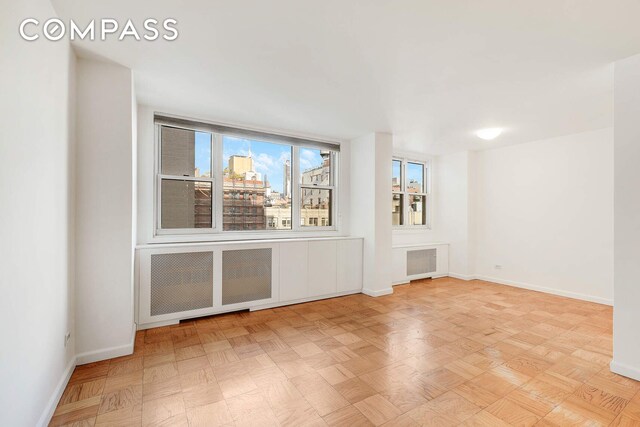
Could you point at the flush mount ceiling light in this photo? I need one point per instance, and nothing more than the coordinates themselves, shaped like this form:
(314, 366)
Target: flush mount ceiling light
(489, 133)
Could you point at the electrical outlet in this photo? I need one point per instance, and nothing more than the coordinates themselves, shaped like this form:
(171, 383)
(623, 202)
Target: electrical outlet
(67, 337)
(497, 267)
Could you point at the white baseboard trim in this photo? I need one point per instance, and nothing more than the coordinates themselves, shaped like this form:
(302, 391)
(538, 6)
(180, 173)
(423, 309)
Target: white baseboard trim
(625, 370)
(559, 292)
(379, 293)
(47, 414)
(81, 359)
(107, 353)
(462, 276)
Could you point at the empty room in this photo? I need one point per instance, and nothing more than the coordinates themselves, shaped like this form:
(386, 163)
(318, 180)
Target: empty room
(335, 213)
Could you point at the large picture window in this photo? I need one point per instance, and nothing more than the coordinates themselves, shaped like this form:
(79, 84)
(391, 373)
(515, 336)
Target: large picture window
(257, 185)
(410, 195)
(213, 179)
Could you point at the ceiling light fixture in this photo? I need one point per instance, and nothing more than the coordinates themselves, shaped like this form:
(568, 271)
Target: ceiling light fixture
(489, 133)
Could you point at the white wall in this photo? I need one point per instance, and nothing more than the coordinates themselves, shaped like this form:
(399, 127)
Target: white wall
(453, 210)
(544, 212)
(36, 230)
(626, 314)
(371, 208)
(105, 210)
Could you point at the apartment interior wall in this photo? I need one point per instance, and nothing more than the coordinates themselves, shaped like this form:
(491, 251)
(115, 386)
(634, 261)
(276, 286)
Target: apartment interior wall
(626, 316)
(37, 227)
(537, 215)
(544, 215)
(453, 210)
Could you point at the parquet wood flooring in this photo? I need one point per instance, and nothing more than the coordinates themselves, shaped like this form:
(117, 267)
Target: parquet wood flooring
(434, 353)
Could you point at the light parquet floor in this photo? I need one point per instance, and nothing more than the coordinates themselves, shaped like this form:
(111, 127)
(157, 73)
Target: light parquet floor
(437, 352)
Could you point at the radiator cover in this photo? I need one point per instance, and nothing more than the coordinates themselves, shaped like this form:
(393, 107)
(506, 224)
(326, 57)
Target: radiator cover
(421, 261)
(181, 282)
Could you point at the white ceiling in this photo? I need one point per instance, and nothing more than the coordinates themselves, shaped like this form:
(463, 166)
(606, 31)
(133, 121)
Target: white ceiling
(430, 72)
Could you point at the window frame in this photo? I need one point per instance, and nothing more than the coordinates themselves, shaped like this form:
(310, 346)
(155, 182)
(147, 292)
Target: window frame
(158, 187)
(426, 192)
(332, 191)
(398, 192)
(217, 133)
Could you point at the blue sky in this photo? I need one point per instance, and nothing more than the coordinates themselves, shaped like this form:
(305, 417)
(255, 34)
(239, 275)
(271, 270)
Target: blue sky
(203, 152)
(268, 158)
(395, 170)
(414, 171)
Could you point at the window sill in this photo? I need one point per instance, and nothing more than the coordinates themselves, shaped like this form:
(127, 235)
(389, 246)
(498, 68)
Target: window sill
(403, 229)
(243, 236)
(245, 239)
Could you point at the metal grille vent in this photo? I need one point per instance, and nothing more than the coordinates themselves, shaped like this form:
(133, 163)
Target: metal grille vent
(246, 275)
(421, 261)
(181, 282)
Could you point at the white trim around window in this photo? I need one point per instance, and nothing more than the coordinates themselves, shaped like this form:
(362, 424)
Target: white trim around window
(404, 194)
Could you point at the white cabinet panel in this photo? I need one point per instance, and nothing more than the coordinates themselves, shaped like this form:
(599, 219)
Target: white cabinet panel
(293, 271)
(322, 268)
(399, 265)
(443, 261)
(301, 270)
(349, 265)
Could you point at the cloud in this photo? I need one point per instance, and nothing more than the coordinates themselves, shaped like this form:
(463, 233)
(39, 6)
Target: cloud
(305, 153)
(305, 163)
(263, 162)
(268, 159)
(309, 158)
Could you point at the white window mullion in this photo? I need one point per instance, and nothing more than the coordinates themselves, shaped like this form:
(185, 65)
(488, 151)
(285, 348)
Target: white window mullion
(405, 196)
(217, 172)
(158, 215)
(296, 192)
(157, 181)
(333, 214)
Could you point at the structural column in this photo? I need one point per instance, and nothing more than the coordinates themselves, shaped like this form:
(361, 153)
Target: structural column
(370, 213)
(626, 314)
(105, 210)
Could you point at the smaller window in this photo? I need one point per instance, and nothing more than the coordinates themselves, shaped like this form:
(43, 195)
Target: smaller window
(410, 198)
